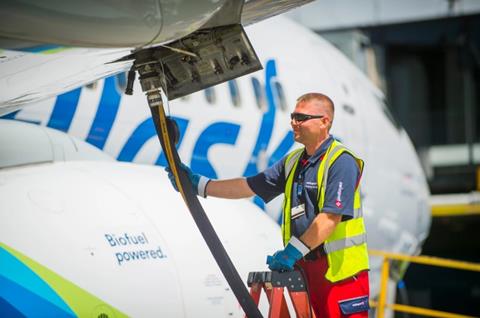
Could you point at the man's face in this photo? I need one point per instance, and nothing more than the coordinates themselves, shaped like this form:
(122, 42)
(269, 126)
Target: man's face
(313, 129)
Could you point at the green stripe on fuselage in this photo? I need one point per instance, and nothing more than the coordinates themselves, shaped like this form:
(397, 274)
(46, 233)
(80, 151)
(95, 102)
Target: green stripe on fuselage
(82, 303)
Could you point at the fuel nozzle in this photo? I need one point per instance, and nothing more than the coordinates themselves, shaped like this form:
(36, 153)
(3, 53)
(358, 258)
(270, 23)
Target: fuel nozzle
(154, 99)
(130, 81)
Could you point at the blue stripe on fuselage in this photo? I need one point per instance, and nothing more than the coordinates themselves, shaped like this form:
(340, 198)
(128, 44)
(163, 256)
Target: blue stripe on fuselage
(268, 120)
(64, 109)
(266, 127)
(10, 115)
(282, 149)
(142, 134)
(216, 133)
(106, 113)
(137, 139)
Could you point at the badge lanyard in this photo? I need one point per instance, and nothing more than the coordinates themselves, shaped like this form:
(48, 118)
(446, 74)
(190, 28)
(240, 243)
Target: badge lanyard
(299, 210)
(300, 186)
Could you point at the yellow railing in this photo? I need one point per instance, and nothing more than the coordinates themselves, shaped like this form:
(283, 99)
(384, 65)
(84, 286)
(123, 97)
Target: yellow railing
(439, 210)
(426, 260)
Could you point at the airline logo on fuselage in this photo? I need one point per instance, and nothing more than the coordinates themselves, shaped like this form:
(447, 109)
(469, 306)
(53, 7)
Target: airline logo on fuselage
(66, 105)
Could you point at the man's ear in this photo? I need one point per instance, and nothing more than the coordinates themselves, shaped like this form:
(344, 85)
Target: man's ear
(326, 121)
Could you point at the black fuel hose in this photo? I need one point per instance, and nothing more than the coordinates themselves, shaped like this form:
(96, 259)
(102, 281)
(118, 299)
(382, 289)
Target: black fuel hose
(203, 223)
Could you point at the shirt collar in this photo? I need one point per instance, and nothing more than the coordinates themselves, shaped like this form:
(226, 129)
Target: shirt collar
(321, 151)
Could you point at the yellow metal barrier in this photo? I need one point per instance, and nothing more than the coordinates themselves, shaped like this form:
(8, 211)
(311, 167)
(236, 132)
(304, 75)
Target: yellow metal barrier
(426, 260)
(420, 311)
(455, 209)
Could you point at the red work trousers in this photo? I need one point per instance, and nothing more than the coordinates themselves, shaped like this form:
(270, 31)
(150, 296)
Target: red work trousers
(325, 295)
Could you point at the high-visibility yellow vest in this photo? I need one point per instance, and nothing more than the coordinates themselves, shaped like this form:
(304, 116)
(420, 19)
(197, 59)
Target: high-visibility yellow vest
(346, 247)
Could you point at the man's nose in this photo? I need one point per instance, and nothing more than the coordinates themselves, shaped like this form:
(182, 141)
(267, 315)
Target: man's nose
(293, 122)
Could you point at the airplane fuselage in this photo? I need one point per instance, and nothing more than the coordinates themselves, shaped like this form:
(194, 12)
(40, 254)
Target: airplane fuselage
(233, 129)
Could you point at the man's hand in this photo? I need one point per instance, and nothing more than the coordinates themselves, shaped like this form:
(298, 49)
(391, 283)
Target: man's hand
(199, 182)
(284, 260)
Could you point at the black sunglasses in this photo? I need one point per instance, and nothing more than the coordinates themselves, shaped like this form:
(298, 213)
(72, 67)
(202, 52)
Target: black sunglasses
(299, 117)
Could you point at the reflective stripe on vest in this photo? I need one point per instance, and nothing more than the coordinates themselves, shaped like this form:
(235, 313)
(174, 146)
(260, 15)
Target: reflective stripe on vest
(290, 165)
(346, 247)
(345, 243)
(291, 160)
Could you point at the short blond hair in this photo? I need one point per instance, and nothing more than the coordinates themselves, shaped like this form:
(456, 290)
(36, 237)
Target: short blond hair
(324, 99)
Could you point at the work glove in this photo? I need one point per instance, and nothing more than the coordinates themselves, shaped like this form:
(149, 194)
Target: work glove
(284, 260)
(199, 182)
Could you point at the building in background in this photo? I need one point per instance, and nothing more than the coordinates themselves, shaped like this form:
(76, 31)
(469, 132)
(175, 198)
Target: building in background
(425, 55)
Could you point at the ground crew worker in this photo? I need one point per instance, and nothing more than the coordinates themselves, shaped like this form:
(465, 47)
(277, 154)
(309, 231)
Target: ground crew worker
(323, 229)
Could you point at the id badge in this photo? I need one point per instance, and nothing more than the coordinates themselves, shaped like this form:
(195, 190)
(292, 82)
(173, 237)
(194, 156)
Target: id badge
(298, 211)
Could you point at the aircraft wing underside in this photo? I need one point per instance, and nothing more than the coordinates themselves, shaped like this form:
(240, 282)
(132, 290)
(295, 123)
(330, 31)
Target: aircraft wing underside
(44, 45)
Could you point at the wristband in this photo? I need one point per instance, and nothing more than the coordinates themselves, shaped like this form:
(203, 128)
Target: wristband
(299, 245)
(202, 186)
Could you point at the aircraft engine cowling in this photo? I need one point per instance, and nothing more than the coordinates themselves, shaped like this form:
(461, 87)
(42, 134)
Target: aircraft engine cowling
(24, 143)
(126, 23)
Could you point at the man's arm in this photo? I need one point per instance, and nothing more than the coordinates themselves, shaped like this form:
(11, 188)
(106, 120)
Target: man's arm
(322, 226)
(267, 185)
(237, 188)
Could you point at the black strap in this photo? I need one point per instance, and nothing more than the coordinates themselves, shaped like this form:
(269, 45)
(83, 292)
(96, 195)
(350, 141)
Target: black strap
(203, 223)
